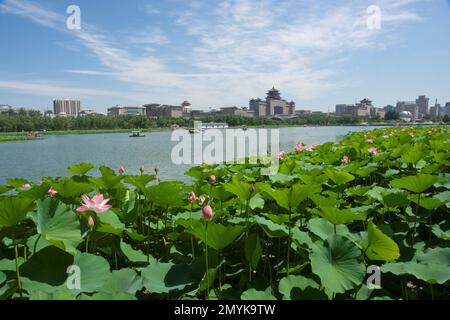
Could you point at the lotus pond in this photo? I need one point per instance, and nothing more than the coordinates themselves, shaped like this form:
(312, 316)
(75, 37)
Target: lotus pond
(333, 215)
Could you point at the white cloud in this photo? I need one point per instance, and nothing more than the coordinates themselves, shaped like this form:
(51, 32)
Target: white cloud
(239, 48)
(52, 89)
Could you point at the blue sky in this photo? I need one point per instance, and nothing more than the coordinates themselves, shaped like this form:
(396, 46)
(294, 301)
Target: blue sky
(222, 53)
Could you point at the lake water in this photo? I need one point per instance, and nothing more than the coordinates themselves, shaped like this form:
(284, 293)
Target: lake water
(51, 156)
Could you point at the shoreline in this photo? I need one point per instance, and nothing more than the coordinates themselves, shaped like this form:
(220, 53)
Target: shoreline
(21, 136)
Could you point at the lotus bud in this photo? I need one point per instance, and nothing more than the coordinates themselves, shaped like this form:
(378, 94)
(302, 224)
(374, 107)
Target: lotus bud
(91, 222)
(121, 170)
(192, 197)
(141, 169)
(208, 213)
(201, 200)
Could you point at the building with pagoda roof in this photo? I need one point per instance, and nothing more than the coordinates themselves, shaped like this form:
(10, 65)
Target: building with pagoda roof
(273, 105)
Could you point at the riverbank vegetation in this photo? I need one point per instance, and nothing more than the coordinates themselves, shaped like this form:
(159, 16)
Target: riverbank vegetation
(333, 215)
(26, 121)
(6, 138)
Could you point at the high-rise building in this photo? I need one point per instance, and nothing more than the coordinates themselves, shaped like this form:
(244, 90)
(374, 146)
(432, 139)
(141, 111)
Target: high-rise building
(66, 107)
(342, 108)
(422, 103)
(389, 108)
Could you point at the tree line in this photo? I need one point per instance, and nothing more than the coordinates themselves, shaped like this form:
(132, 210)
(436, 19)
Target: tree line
(32, 120)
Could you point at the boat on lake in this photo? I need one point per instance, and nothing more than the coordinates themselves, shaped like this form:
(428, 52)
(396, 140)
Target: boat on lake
(137, 134)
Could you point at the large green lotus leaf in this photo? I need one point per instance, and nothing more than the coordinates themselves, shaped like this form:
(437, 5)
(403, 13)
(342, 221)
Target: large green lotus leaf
(339, 177)
(394, 200)
(337, 265)
(47, 296)
(272, 229)
(296, 287)
(140, 181)
(17, 183)
(106, 296)
(239, 188)
(69, 188)
(48, 265)
(417, 184)
(4, 189)
(323, 228)
(253, 294)
(2, 277)
(81, 168)
(340, 216)
(321, 201)
(94, 271)
(166, 194)
(380, 246)
(415, 154)
(425, 202)
(219, 236)
(34, 286)
(122, 281)
(161, 277)
(253, 250)
(301, 237)
(367, 170)
(134, 255)
(110, 223)
(256, 202)
(58, 224)
(13, 210)
(432, 266)
(443, 196)
(438, 232)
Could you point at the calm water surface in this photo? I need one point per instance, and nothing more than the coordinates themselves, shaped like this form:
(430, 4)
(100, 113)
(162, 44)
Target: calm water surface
(52, 155)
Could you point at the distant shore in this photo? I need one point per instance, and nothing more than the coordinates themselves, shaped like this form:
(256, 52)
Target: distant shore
(21, 136)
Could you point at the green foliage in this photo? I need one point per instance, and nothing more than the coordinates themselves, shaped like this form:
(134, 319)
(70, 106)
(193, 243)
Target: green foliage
(307, 232)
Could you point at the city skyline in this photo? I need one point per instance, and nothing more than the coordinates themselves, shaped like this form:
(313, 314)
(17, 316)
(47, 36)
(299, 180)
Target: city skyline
(223, 53)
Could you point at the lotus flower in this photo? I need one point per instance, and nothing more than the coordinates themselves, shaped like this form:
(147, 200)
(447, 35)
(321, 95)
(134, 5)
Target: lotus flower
(201, 199)
(192, 197)
(212, 179)
(369, 141)
(121, 170)
(91, 222)
(208, 213)
(373, 150)
(26, 186)
(311, 148)
(299, 147)
(280, 155)
(142, 169)
(345, 159)
(96, 204)
(52, 191)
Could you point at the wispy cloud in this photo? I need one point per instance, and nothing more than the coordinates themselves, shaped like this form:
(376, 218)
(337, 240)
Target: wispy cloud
(53, 89)
(235, 49)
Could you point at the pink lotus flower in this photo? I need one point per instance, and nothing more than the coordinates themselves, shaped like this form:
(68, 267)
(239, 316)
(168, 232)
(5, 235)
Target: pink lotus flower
(142, 168)
(96, 204)
(52, 191)
(208, 213)
(121, 170)
(201, 200)
(26, 186)
(192, 197)
(299, 147)
(212, 179)
(369, 141)
(345, 159)
(374, 151)
(91, 222)
(280, 155)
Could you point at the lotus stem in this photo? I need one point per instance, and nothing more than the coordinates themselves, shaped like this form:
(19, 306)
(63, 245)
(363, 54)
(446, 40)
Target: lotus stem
(206, 261)
(36, 243)
(16, 253)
